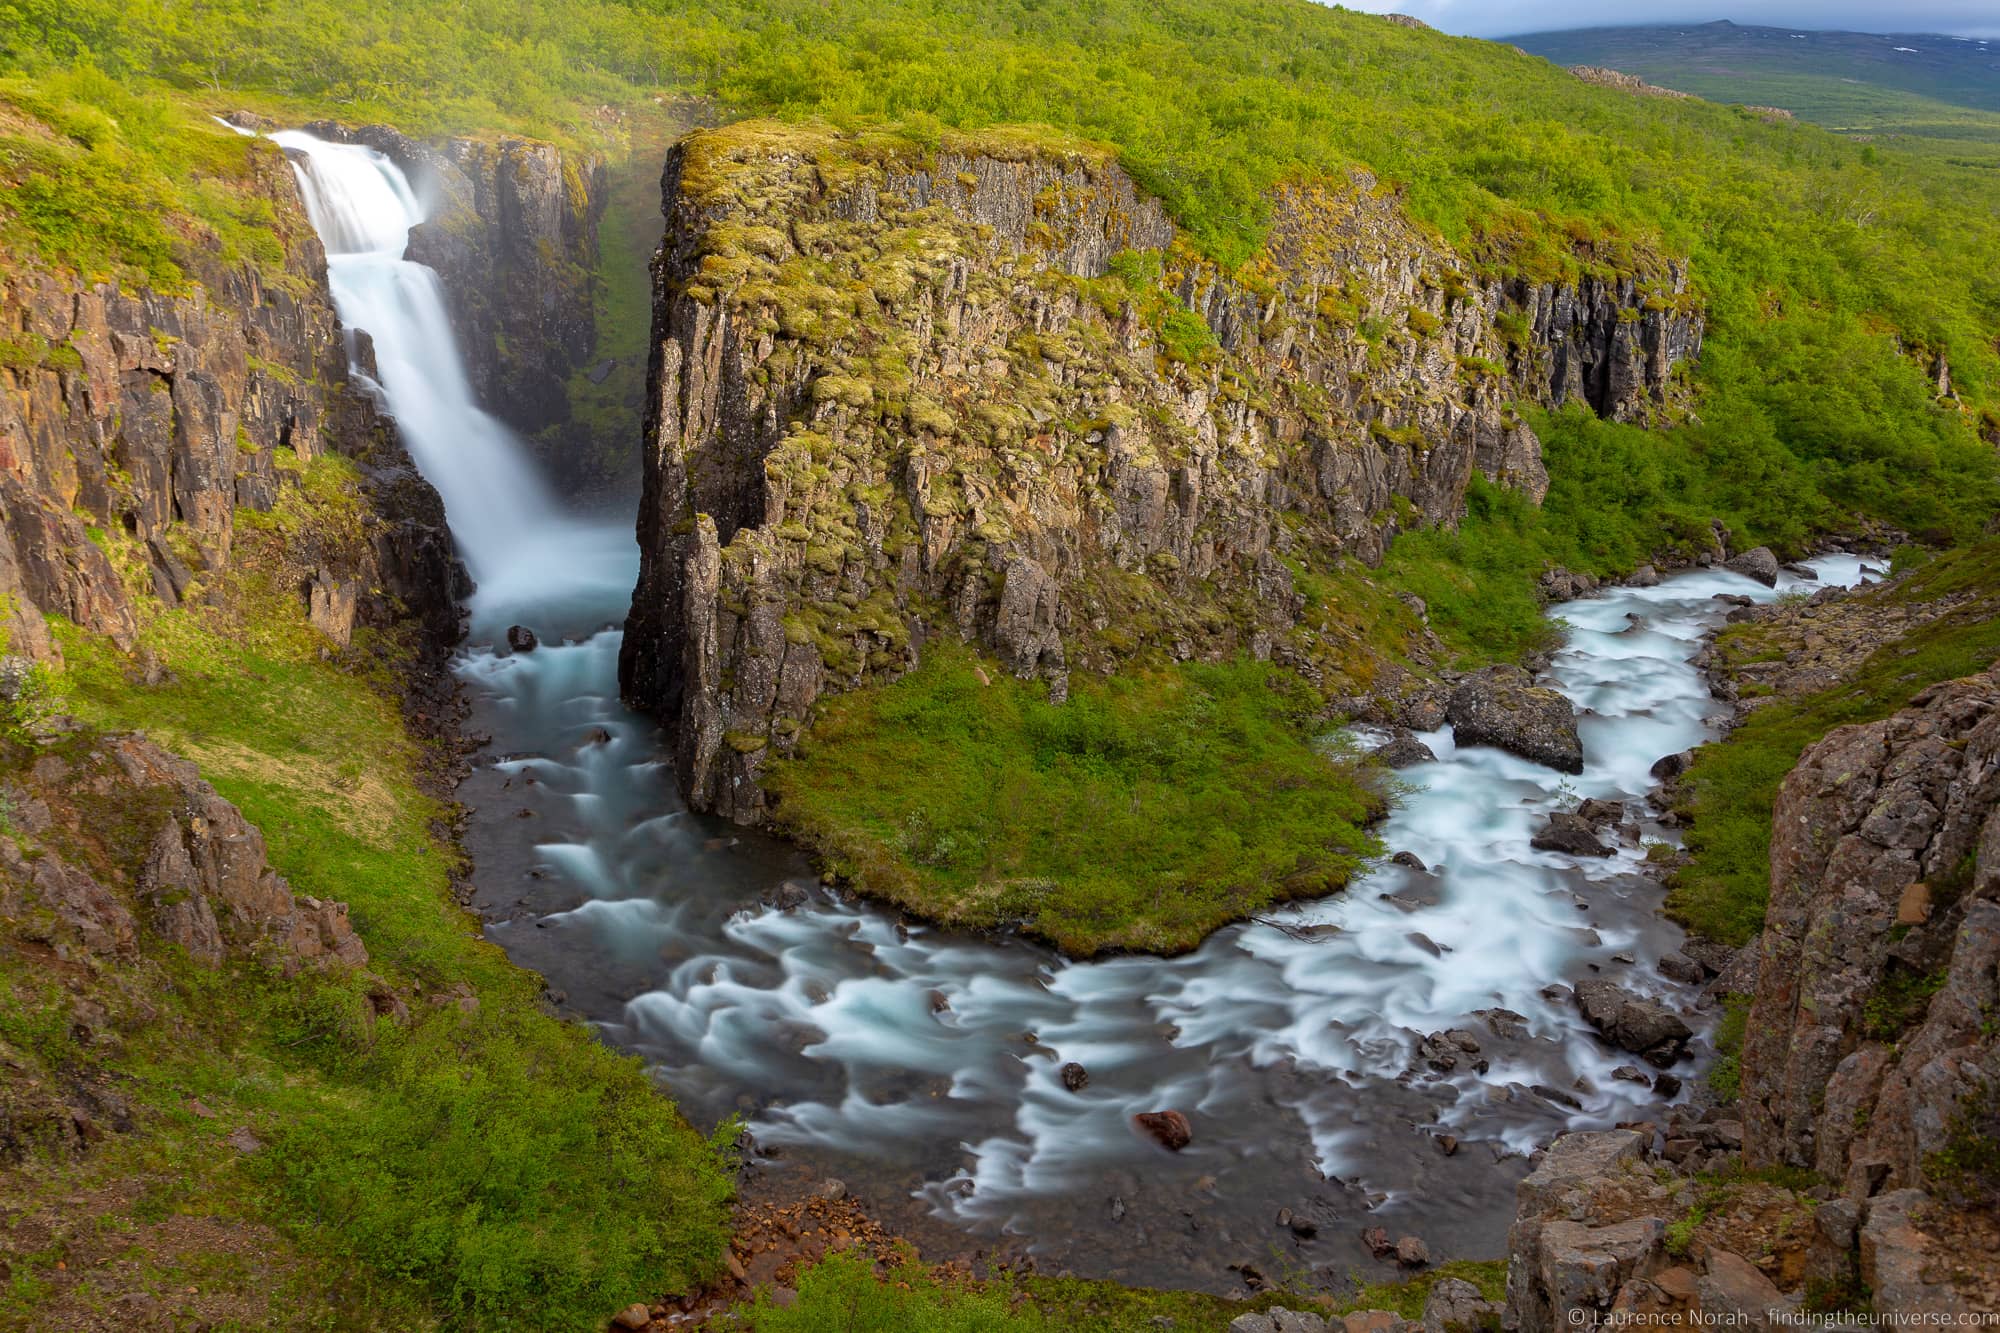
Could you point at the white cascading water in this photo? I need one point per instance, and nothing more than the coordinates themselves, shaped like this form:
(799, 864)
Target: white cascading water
(926, 1065)
(513, 536)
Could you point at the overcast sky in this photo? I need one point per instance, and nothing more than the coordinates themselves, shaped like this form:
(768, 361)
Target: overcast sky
(1495, 18)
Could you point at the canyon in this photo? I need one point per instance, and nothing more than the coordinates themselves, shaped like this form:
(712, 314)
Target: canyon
(988, 394)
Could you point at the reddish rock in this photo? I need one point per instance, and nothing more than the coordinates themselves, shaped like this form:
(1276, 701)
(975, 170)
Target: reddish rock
(1170, 1129)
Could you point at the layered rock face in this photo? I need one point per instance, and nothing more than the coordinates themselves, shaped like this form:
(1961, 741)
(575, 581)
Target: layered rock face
(1871, 1045)
(135, 425)
(991, 392)
(512, 232)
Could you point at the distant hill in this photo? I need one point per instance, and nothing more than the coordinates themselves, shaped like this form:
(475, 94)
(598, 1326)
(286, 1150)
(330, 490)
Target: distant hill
(1897, 83)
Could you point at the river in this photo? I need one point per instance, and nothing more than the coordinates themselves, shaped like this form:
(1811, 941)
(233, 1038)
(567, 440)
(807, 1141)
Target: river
(921, 1066)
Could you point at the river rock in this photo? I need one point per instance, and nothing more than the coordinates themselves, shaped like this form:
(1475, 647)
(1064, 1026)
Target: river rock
(1668, 767)
(1170, 1129)
(1411, 1252)
(1404, 750)
(1645, 1027)
(1679, 967)
(1502, 707)
(1757, 563)
(633, 1316)
(1601, 814)
(522, 639)
(1075, 1077)
(1645, 576)
(1569, 834)
(1409, 861)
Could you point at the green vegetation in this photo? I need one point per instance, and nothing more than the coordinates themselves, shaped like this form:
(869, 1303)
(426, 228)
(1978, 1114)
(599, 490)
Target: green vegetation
(102, 177)
(476, 1163)
(1733, 783)
(843, 1293)
(1142, 813)
(1725, 1076)
(1967, 1168)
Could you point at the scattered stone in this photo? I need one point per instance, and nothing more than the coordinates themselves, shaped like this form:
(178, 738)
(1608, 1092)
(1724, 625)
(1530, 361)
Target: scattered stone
(1426, 943)
(1448, 1144)
(522, 639)
(1625, 958)
(244, 1141)
(633, 1316)
(1741, 601)
(1632, 1023)
(1412, 1252)
(1454, 1305)
(1645, 576)
(1668, 767)
(1556, 1095)
(1378, 1242)
(1569, 834)
(1409, 861)
(1404, 750)
(1757, 563)
(1599, 813)
(1679, 967)
(1630, 1074)
(1734, 1294)
(1170, 1129)
(1075, 1077)
(1667, 1085)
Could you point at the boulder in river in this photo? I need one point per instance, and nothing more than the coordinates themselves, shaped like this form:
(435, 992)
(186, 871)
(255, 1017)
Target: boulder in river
(1668, 767)
(1599, 814)
(1075, 1077)
(1645, 576)
(1758, 564)
(1570, 834)
(1170, 1129)
(1404, 750)
(522, 639)
(1502, 706)
(1633, 1023)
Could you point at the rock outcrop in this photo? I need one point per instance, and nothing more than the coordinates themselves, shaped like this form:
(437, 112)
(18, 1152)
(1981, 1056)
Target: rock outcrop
(1502, 706)
(990, 392)
(1871, 1045)
(136, 425)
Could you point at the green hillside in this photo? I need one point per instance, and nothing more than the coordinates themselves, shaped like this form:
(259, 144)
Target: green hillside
(1836, 273)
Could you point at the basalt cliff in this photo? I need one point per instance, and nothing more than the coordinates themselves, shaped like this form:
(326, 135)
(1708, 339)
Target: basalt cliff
(989, 390)
(138, 426)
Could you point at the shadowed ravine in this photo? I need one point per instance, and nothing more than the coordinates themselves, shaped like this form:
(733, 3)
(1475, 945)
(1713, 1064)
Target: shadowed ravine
(920, 1066)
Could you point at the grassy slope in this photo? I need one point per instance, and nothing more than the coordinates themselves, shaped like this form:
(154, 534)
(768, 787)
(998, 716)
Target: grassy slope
(494, 1166)
(1145, 812)
(1733, 783)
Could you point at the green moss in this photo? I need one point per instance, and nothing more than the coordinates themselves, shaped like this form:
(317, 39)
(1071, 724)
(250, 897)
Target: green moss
(1143, 813)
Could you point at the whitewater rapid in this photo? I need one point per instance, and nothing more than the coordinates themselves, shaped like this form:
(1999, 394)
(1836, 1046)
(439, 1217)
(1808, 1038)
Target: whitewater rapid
(925, 1065)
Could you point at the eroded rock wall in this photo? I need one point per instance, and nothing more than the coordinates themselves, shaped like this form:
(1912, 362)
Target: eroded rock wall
(1872, 1037)
(990, 392)
(136, 425)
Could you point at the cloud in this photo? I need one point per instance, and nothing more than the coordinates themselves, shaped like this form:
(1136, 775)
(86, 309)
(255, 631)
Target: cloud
(1497, 18)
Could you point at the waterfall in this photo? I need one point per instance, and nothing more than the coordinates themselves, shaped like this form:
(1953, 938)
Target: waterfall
(363, 208)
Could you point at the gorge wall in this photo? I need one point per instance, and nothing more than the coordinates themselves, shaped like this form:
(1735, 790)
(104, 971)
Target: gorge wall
(137, 426)
(991, 391)
(1860, 1166)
